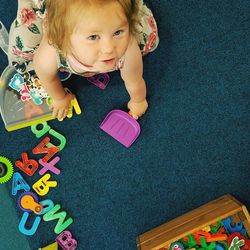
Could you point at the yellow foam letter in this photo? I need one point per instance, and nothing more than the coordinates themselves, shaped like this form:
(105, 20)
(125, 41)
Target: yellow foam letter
(42, 185)
(74, 104)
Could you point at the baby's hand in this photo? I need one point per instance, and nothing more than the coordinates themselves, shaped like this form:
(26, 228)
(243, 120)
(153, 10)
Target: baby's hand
(137, 109)
(61, 107)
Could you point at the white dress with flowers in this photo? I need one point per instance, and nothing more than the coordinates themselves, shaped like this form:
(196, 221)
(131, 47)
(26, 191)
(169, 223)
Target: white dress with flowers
(26, 34)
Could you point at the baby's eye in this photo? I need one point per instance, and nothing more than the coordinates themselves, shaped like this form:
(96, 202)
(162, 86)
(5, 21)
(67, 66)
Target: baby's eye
(93, 37)
(118, 32)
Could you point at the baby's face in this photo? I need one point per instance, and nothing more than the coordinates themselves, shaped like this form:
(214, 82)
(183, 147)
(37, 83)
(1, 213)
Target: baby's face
(102, 37)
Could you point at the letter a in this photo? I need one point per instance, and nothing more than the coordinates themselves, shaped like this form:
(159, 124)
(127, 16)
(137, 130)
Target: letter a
(18, 183)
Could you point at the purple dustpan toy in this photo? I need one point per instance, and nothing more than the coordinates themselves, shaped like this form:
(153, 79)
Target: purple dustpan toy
(121, 126)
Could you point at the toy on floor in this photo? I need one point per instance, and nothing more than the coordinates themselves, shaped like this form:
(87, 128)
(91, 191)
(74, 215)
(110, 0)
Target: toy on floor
(23, 102)
(101, 80)
(53, 246)
(64, 241)
(222, 235)
(28, 201)
(6, 169)
(121, 126)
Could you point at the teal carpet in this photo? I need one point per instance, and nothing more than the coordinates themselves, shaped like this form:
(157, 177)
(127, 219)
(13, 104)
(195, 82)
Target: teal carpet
(10, 236)
(195, 140)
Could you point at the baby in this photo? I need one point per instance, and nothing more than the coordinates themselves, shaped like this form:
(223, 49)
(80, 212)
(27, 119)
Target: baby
(84, 37)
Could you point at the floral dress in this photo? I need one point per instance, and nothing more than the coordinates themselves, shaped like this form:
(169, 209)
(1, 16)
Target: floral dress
(26, 34)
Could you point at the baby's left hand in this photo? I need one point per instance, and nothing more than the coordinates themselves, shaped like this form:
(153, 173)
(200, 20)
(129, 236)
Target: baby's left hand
(137, 109)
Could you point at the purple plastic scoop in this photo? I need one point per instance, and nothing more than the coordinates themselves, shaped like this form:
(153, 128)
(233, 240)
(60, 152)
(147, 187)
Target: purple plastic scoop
(121, 126)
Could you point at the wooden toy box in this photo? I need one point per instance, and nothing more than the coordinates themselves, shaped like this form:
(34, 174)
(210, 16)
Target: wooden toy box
(193, 221)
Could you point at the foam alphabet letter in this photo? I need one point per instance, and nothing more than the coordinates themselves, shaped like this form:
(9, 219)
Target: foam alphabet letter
(42, 186)
(46, 128)
(206, 246)
(40, 148)
(29, 166)
(233, 227)
(50, 166)
(216, 226)
(47, 206)
(40, 132)
(34, 227)
(74, 104)
(189, 241)
(18, 183)
(100, 80)
(236, 244)
(61, 223)
(60, 137)
(65, 241)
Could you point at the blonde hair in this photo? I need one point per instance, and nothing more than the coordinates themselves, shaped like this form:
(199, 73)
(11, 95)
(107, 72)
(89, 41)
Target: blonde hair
(62, 17)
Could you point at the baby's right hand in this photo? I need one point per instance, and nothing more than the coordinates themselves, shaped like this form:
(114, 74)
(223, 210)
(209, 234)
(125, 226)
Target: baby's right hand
(61, 107)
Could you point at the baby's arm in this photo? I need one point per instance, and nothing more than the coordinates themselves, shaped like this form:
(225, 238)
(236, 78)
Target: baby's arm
(45, 65)
(131, 73)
